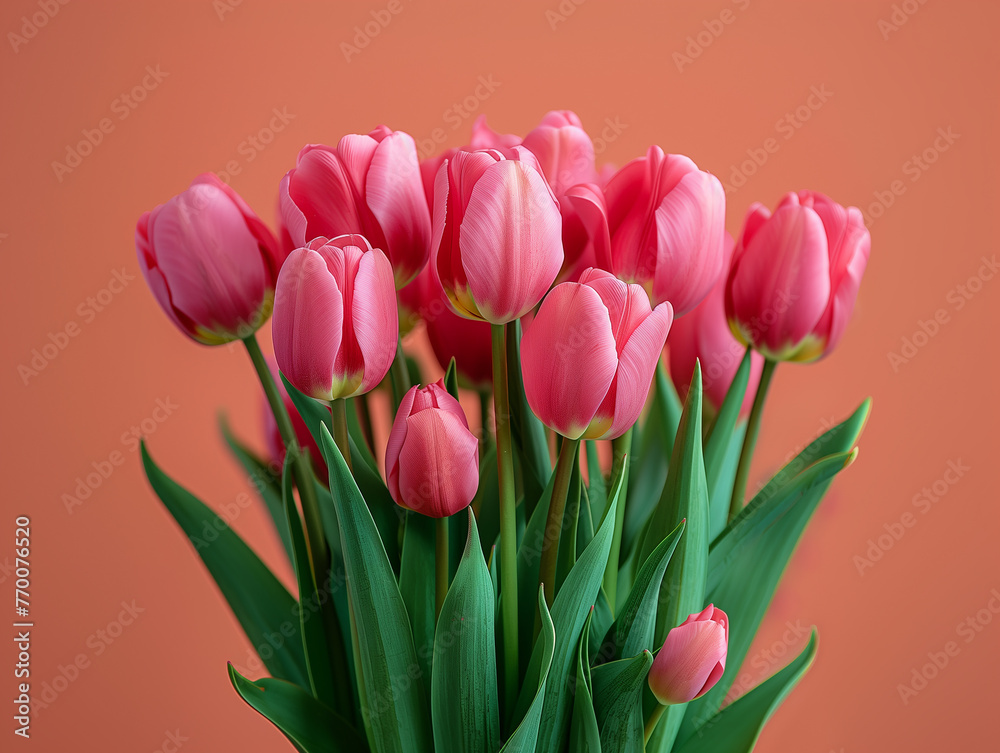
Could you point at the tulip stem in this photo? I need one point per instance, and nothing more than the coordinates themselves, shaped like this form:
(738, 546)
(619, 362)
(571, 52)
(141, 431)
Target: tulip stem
(441, 553)
(750, 439)
(652, 721)
(620, 449)
(365, 419)
(554, 520)
(485, 400)
(508, 517)
(399, 376)
(338, 415)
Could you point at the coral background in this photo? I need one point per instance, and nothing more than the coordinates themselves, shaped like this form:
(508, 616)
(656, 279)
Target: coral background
(887, 88)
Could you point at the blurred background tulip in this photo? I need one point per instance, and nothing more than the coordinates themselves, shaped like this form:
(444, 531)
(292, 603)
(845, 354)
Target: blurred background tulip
(588, 356)
(335, 321)
(497, 245)
(704, 335)
(795, 276)
(210, 262)
(369, 184)
(667, 219)
(272, 436)
(692, 659)
(431, 457)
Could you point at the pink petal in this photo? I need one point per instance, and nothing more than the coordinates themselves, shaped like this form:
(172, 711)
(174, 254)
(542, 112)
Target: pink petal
(438, 464)
(393, 445)
(376, 321)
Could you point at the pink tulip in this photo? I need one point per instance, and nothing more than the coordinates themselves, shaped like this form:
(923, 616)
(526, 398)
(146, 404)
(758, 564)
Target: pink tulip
(210, 262)
(692, 659)
(704, 335)
(431, 458)
(369, 185)
(496, 243)
(667, 220)
(450, 335)
(588, 356)
(335, 321)
(272, 436)
(795, 276)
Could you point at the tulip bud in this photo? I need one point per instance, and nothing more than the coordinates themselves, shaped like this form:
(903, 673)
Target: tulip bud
(588, 356)
(210, 262)
(666, 218)
(795, 276)
(496, 246)
(335, 322)
(431, 458)
(369, 185)
(272, 435)
(704, 335)
(692, 659)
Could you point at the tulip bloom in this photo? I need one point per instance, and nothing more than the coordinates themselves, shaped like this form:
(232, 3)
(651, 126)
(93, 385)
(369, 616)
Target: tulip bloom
(272, 436)
(497, 245)
(431, 458)
(667, 219)
(335, 322)
(210, 262)
(704, 335)
(369, 185)
(588, 356)
(795, 276)
(692, 659)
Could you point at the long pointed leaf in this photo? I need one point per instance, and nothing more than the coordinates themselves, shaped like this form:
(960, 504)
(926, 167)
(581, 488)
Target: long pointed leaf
(618, 689)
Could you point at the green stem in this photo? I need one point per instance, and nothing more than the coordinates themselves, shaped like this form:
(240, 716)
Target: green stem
(485, 401)
(750, 439)
(554, 520)
(651, 722)
(440, 564)
(365, 419)
(620, 448)
(338, 413)
(508, 517)
(399, 376)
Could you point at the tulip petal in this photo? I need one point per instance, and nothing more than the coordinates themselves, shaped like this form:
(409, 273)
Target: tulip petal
(688, 659)
(586, 202)
(376, 321)
(393, 445)
(438, 464)
(511, 241)
(565, 155)
(568, 358)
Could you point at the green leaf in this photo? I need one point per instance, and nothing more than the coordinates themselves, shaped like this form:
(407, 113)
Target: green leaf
(653, 447)
(488, 502)
(464, 700)
(524, 738)
(265, 481)
(618, 687)
(529, 554)
(527, 431)
(736, 728)
(263, 606)
(719, 447)
(451, 379)
(393, 705)
(566, 556)
(585, 526)
(597, 487)
(584, 736)
(357, 433)
(310, 624)
(416, 584)
(569, 612)
(310, 725)
(633, 629)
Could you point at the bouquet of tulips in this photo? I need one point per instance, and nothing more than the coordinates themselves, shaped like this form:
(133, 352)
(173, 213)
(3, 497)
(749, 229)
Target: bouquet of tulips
(586, 573)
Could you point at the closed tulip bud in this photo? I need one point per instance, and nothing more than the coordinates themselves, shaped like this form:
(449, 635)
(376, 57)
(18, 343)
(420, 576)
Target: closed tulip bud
(431, 458)
(335, 322)
(795, 276)
(210, 262)
(588, 356)
(368, 185)
(704, 335)
(692, 659)
(497, 245)
(272, 435)
(666, 218)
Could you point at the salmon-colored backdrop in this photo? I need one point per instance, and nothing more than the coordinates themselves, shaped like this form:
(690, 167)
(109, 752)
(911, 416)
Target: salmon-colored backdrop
(889, 106)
